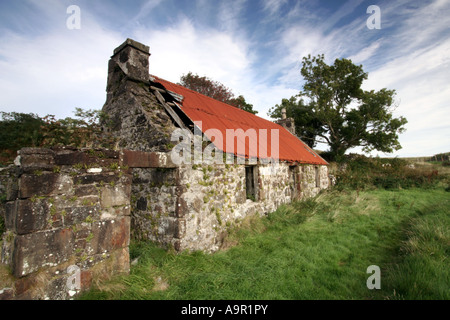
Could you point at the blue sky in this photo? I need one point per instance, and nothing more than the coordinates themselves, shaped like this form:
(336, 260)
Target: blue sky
(253, 47)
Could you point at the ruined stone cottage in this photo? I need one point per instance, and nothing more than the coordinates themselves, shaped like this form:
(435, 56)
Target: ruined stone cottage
(190, 205)
(185, 169)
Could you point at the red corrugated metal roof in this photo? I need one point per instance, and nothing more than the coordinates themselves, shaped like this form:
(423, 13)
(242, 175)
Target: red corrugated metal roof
(220, 116)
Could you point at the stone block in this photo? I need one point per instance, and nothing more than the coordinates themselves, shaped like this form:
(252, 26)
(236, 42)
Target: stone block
(76, 215)
(85, 190)
(35, 151)
(241, 197)
(89, 157)
(176, 244)
(10, 215)
(41, 249)
(110, 154)
(140, 159)
(70, 157)
(114, 196)
(85, 279)
(120, 261)
(117, 261)
(37, 185)
(31, 216)
(181, 207)
(110, 235)
(12, 188)
(171, 227)
(180, 229)
(101, 178)
(114, 212)
(37, 161)
(63, 185)
(126, 181)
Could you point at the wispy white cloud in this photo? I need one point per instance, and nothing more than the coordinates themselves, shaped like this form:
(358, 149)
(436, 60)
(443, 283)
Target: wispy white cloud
(335, 17)
(365, 53)
(229, 15)
(146, 9)
(273, 6)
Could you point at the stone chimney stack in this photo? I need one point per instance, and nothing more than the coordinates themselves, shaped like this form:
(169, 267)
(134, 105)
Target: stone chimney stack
(131, 57)
(287, 123)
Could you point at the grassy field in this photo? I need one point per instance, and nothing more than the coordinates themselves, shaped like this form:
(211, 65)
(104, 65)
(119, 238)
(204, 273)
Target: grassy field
(314, 249)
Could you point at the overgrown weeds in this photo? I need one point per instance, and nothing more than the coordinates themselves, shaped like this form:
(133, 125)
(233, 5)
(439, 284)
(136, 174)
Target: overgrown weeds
(314, 249)
(362, 173)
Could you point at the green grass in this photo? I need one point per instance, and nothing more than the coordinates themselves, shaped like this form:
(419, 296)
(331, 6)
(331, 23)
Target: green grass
(315, 249)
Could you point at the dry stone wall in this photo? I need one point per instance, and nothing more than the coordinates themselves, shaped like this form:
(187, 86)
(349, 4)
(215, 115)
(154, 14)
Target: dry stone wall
(67, 219)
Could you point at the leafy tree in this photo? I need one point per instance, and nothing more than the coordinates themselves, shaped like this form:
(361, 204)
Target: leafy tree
(206, 86)
(19, 130)
(215, 90)
(306, 124)
(343, 115)
(240, 103)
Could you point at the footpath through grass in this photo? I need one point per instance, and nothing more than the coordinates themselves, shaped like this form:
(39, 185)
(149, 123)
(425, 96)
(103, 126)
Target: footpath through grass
(314, 249)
